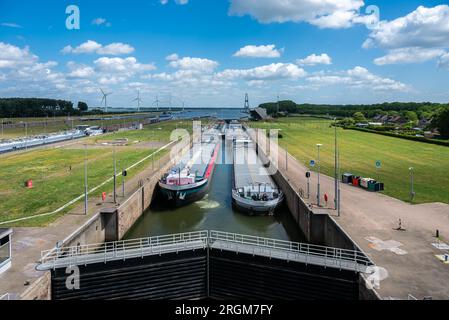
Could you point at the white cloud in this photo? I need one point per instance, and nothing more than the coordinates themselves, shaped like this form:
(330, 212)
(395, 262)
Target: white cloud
(314, 59)
(11, 25)
(13, 57)
(172, 57)
(420, 36)
(324, 13)
(409, 55)
(274, 71)
(444, 61)
(181, 2)
(424, 27)
(251, 51)
(358, 77)
(100, 22)
(79, 71)
(118, 65)
(198, 64)
(90, 46)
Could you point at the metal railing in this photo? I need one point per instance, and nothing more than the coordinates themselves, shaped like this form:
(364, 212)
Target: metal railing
(127, 249)
(6, 296)
(313, 254)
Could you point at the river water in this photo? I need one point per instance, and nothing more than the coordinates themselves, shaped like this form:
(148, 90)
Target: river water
(215, 212)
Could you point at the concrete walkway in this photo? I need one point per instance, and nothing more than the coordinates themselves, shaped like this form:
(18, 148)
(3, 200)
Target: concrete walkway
(370, 219)
(29, 242)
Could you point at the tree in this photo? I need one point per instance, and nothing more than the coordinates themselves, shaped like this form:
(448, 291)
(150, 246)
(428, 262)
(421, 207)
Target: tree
(82, 106)
(441, 122)
(359, 117)
(411, 116)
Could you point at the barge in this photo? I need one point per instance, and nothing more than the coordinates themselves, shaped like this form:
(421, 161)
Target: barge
(254, 191)
(190, 179)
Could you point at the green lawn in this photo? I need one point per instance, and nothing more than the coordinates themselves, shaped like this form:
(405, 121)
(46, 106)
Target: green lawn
(55, 184)
(359, 152)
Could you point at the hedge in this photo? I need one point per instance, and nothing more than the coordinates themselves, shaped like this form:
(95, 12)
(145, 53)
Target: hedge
(401, 136)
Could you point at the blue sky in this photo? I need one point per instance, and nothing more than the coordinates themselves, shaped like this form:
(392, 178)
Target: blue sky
(208, 53)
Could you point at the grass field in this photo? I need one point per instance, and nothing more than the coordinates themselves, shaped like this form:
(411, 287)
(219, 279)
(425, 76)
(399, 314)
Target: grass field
(55, 184)
(359, 152)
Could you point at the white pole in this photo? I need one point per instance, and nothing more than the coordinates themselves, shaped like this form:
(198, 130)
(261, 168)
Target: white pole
(318, 196)
(85, 181)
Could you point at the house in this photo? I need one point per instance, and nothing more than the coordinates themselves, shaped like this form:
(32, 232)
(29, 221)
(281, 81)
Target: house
(395, 120)
(423, 123)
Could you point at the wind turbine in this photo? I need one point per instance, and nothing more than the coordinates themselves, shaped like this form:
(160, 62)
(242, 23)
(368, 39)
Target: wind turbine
(139, 101)
(105, 99)
(157, 101)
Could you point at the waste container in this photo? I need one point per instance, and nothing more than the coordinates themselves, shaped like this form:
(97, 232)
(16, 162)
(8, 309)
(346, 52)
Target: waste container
(364, 182)
(372, 185)
(347, 178)
(356, 181)
(379, 187)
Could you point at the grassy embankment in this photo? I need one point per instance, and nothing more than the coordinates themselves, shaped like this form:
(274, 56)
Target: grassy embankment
(55, 184)
(359, 152)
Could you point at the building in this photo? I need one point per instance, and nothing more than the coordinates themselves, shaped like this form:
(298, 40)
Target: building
(5, 249)
(259, 114)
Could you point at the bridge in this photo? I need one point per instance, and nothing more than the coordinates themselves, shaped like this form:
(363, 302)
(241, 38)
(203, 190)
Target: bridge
(328, 257)
(206, 264)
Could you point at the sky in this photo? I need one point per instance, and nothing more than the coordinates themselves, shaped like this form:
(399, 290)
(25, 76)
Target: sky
(209, 53)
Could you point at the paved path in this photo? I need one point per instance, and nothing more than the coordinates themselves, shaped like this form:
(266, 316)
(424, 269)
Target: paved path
(29, 242)
(370, 219)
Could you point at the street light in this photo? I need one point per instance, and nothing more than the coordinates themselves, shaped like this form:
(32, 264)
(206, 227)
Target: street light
(412, 189)
(115, 176)
(337, 171)
(85, 180)
(319, 145)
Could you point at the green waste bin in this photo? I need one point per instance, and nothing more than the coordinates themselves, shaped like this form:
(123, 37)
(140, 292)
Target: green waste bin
(372, 186)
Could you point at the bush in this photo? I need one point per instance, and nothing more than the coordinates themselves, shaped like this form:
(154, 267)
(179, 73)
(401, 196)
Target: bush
(402, 136)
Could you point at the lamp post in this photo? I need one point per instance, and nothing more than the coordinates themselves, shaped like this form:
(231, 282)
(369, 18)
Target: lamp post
(85, 181)
(412, 189)
(319, 145)
(337, 171)
(115, 176)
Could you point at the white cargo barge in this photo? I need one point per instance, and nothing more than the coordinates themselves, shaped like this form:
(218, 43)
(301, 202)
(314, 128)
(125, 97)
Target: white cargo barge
(254, 191)
(26, 143)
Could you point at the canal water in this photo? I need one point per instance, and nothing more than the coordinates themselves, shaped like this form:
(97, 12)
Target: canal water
(215, 212)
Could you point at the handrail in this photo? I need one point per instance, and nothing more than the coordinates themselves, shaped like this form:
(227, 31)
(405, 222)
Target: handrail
(6, 296)
(125, 249)
(294, 247)
(80, 254)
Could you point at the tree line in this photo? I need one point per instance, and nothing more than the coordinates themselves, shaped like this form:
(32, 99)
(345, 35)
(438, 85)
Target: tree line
(348, 110)
(37, 107)
(412, 111)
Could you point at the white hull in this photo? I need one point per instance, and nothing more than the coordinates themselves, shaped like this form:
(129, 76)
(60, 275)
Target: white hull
(256, 207)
